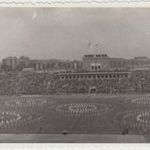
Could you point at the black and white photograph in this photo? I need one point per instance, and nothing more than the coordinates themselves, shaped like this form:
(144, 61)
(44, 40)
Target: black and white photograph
(74, 75)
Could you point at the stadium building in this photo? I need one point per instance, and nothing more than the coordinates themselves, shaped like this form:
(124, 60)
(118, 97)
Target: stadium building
(98, 67)
(104, 62)
(94, 75)
(101, 66)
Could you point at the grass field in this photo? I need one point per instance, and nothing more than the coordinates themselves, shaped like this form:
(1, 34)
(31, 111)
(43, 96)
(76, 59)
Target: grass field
(75, 114)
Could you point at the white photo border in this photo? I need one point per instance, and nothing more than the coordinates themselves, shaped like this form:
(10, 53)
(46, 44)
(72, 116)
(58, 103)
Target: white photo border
(68, 146)
(74, 3)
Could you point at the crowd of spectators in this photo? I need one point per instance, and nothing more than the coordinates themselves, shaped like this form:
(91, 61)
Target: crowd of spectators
(27, 83)
(96, 86)
(45, 83)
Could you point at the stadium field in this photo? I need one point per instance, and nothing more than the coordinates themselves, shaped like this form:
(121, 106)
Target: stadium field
(75, 114)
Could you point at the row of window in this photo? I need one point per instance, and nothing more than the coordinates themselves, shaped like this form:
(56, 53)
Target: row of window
(99, 55)
(96, 67)
(93, 76)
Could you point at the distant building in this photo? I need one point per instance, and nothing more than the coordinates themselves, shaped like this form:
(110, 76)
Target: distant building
(103, 62)
(138, 62)
(89, 63)
(96, 62)
(56, 65)
(14, 63)
(10, 63)
(24, 61)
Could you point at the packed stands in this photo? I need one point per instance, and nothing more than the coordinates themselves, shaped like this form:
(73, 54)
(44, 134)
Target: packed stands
(49, 83)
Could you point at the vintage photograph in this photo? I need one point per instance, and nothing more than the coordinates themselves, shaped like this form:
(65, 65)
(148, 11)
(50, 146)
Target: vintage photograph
(74, 75)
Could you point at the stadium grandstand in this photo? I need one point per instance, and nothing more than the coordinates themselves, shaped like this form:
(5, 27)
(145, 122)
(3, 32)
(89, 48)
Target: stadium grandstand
(95, 73)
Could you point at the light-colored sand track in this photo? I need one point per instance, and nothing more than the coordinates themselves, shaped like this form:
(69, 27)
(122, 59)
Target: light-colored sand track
(72, 138)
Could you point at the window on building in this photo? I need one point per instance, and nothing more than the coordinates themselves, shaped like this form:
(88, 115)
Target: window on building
(92, 67)
(95, 68)
(89, 76)
(99, 67)
(126, 76)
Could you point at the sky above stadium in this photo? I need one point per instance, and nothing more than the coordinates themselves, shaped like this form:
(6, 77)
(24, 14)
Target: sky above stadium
(69, 33)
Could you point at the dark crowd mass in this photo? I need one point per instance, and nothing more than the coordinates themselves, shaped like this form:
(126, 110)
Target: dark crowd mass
(94, 74)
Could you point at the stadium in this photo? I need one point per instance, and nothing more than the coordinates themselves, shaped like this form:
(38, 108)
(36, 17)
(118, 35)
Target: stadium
(97, 99)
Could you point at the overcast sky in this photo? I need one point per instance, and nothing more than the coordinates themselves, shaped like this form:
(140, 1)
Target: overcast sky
(69, 33)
